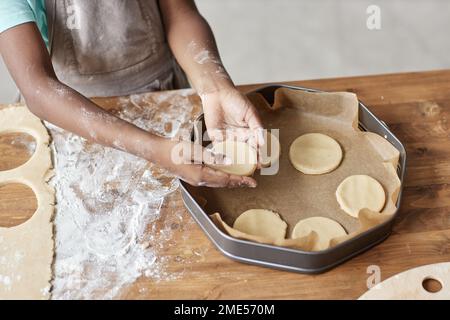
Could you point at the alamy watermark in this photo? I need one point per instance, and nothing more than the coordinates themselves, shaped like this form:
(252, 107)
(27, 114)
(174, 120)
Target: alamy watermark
(201, 151)
(373, 21)
(73, 18)
(374, 278)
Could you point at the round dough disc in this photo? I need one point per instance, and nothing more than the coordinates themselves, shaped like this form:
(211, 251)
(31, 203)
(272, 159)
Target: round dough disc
(242, 155)
(260, 222)
(325, 228)
(359, 192)
(315, 153)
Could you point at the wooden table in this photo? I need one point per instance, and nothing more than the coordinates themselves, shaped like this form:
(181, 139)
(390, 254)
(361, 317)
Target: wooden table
(416, 106)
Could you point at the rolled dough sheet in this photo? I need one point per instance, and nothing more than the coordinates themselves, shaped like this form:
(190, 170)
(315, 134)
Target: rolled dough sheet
(409, 284)
(260, 222)
(325, 228)
(26, 250)
(315, 153)
(360, 192)
(243, 157)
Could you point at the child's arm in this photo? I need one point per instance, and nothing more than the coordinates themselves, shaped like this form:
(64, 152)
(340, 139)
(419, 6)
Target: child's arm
(194, 47)
(28, 61)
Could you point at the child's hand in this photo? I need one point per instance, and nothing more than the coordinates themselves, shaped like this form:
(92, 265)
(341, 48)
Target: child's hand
(188, 161)
(230, 114)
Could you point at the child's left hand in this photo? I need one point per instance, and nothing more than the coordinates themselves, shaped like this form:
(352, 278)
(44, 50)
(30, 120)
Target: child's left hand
(230, 114)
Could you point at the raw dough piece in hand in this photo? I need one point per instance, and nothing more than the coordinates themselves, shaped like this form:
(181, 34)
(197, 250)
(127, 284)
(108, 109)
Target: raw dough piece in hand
(260, 222)
(315, 153)
(325, 228)
(241, 154)
(359, 192)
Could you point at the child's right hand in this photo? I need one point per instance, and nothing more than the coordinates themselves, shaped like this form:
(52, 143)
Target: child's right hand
(191, 166)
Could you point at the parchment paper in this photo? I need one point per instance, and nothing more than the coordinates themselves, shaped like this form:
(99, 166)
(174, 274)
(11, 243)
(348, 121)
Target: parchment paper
(296, 196)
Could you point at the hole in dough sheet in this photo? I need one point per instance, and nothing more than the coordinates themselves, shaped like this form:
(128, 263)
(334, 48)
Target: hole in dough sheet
(18, 204)
(15, 149)
(431, 285)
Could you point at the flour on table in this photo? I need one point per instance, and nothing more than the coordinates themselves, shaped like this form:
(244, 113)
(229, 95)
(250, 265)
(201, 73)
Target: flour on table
(108, 200)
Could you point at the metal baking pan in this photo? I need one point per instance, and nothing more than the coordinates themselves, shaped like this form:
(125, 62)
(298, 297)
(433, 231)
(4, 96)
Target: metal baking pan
(294, 259)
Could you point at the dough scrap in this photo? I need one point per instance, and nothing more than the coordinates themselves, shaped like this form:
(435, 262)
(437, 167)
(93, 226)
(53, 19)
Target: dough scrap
(360, 192)
(260, 222)
(27, 249)
(243, 156)
(315, 153)
(325, 228)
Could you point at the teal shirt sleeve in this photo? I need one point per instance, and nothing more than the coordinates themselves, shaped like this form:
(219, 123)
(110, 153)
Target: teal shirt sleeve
(16, 12)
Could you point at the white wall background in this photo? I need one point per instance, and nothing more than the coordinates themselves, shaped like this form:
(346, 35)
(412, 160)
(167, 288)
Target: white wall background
(268, 40)
(8, 90)
(279, 40)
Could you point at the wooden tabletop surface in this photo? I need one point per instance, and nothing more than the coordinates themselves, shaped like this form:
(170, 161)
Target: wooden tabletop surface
(416, 107)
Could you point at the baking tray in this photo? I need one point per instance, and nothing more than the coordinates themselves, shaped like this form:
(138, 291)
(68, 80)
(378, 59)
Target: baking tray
(292, 259)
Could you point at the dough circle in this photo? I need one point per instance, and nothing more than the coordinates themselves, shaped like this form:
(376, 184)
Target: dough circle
(242, 155)
(315, 153)
(358, 192)
(325, 228)
(260, 222)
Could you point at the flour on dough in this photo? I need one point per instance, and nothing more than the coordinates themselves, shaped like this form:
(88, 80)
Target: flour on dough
(325, 228)
(358, 192)
(243, 157)
(315, 153)
(260, 222)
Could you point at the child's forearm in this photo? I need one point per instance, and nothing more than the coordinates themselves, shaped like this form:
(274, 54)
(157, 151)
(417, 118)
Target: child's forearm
(54, 102)
(194, 46)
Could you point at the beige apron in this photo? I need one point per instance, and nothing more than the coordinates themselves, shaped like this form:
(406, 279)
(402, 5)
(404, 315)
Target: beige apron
(111, 47)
